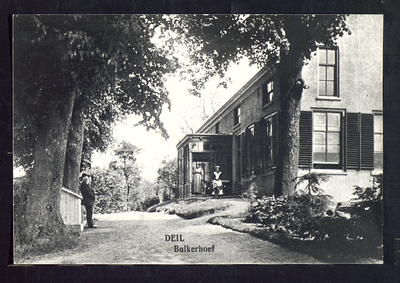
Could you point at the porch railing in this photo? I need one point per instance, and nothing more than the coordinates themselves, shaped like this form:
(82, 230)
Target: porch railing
(71, 209)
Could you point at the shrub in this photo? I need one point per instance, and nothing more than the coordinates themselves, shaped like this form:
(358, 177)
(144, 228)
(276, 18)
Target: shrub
(251, 192)
(294, 215)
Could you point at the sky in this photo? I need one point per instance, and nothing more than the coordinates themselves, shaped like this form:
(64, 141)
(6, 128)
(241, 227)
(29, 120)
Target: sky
(154, 148)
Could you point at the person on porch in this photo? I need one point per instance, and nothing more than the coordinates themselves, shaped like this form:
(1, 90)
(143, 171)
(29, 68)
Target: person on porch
(217, 183)
(197, 179)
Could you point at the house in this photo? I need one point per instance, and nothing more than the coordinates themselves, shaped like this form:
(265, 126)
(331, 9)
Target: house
(341, 123)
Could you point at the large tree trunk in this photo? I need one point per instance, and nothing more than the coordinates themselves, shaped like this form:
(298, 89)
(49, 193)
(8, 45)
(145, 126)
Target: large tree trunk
(43, 219)
(291, 86)
(74, 148)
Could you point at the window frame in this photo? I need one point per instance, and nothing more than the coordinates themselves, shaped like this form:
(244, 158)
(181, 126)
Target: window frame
(327, 65)
(328, 164)
(237, 116)
(268, 143)
(265, 95)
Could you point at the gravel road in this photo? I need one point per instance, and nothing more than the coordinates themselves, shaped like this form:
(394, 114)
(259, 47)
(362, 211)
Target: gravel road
(141, 238)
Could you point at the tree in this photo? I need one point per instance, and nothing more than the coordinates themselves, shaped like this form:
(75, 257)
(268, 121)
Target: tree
(285, 42)
(72, 71)
(126, 154)
(167, 177)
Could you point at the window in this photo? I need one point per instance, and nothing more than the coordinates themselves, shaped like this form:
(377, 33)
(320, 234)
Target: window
(327, 72)
(236, 116)
(238, 163)
(268, 158)
(330, 140)
(269, 140)
(251, 150)
(378, 141)
(217, 128)
(326, 139)
(267, 93)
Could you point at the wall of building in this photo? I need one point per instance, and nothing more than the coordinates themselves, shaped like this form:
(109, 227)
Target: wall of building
(340, 185)
(360, 72)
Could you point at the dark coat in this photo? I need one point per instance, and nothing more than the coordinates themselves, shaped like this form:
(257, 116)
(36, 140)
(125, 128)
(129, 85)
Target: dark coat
(87, 193)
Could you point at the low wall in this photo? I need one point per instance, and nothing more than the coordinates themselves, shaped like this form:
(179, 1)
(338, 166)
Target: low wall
(71, 209)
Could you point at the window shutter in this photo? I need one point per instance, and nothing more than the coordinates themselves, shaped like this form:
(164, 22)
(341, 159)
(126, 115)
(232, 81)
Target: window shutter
(263, 92)
(305, 149)
(257, 147)
(245, 152)
(367, 141)
(353, 141)
(275, 140)
(263, 140)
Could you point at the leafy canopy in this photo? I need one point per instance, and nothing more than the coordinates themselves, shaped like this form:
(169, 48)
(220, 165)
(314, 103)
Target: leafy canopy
(214, 41)
(109, 62)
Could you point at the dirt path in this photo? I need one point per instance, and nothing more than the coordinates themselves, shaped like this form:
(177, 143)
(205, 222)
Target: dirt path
(139, 238)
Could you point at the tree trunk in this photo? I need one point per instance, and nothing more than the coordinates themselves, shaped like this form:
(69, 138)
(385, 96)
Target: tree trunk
(291, 86)
(74, 148)
(43, 219)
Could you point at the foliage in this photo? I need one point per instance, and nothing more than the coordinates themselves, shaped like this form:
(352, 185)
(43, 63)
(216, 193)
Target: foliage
(294, 214)
(167, 179)
(290, 214)
(111, 192)
(368, 203)
(313, 181)
(251, 192)
(214, 41)
(108, 62)
(305, 216)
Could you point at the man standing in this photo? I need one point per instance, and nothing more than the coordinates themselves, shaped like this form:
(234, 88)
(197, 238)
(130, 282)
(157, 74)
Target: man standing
(88, 198)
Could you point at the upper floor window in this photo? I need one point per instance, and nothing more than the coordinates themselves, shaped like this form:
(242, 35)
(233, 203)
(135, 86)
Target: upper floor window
(236, 116)
(217, 128)
(327, 72)
(267, 93)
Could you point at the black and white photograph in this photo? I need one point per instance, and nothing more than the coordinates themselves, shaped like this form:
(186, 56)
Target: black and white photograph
(187, 139)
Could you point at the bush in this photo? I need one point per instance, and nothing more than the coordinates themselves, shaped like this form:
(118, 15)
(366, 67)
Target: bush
(295, 214)
(251, 192)
(305, 216)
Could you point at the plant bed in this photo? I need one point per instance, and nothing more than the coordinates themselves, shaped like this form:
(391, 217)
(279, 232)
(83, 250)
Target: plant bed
(328, 250)
(193, 207)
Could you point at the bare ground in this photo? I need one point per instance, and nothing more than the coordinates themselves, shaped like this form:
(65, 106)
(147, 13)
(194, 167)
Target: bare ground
(139, 238)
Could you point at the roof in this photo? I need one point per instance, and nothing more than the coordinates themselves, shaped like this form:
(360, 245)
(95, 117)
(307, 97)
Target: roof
(182, 141)
(235, 97)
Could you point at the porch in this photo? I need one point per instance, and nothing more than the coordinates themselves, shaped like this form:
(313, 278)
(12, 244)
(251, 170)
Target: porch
(198, 156)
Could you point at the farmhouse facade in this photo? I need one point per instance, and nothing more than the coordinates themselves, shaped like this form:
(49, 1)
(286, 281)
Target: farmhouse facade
(341, 123)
